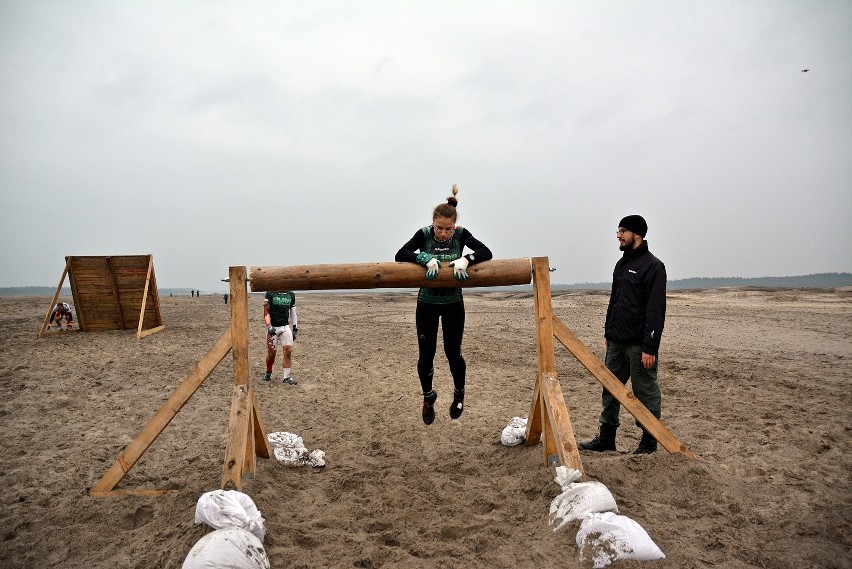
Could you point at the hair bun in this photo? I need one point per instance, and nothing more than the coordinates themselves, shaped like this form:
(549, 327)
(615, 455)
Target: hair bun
(452, 199)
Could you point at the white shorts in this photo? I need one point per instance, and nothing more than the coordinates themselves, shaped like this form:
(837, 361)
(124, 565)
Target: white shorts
(283, 337)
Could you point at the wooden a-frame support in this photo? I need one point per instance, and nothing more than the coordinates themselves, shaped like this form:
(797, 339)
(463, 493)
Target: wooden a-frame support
(548, 415)
(247, 436)
(149, 280)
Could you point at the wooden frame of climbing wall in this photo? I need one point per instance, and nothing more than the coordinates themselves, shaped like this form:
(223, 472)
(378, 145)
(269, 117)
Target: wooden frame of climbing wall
(111, 293)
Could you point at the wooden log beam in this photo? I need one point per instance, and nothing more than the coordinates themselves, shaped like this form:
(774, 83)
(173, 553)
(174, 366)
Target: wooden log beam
(496, 272)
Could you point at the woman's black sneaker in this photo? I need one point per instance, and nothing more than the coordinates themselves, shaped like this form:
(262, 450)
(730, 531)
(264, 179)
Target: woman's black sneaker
(429, 407)
(458, 404)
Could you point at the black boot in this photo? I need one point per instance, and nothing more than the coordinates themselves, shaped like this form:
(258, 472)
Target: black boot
(647, 444)
(604, 441)
(458, 404)
(429, 406)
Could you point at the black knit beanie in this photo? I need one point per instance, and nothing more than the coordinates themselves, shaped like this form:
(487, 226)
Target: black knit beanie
(634, 223)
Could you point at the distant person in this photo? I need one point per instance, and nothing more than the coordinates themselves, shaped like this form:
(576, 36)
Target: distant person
(226, 298)
(192, 293)
(441, 242)
(634, 324)
(62, 311)
(279, 314)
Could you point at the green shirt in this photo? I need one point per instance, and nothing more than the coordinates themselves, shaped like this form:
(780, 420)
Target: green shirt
(280, 303)
(444, 251)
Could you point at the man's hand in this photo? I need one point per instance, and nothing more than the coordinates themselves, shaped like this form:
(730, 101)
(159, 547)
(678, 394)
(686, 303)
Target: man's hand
(460, 269)
(270, 330)
(295, 332)
(432, 268)
(648, 360)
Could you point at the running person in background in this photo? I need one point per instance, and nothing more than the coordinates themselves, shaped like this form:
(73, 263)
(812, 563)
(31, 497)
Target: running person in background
(441, 242)
(61, 311)
(279, 314)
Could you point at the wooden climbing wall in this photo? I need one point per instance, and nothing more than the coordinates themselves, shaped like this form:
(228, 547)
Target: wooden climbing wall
(115, 293)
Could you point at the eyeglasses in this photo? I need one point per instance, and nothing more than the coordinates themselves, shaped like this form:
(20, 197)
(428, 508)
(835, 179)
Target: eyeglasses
(621, 231)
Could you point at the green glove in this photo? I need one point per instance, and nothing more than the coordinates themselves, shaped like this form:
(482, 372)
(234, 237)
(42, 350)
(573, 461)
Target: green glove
(431, 263)
(423, 258)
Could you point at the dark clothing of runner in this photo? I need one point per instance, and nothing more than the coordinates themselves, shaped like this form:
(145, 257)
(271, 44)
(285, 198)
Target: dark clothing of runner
(426, 321)
(444, 304)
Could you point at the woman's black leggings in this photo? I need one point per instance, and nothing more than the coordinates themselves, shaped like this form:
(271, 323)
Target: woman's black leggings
(452, 324)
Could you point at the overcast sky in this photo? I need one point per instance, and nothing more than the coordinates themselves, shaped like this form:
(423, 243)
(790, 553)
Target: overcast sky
(213, 134)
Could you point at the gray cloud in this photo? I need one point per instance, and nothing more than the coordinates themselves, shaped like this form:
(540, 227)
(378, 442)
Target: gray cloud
(284, 133)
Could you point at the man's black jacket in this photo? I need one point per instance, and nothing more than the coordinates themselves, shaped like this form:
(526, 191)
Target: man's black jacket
(637, 305)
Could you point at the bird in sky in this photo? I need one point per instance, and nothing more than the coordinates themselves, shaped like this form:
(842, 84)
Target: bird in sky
(805, 70)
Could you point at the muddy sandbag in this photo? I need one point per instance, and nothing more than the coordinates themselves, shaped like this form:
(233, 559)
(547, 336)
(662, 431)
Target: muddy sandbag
(578, 499)
(608, 537)
(229, 548)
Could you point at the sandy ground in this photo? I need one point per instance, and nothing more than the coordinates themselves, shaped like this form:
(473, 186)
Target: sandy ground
(756, 383)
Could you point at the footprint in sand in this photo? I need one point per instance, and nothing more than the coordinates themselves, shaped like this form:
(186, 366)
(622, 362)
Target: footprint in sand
(139, 518)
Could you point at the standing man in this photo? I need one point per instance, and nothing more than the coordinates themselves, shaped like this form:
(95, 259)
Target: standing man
(279, 314)
(634, 324)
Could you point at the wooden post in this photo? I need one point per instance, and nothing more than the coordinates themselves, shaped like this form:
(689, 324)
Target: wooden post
(150, 288)
(246, 434)
(238, 435)
(548, 411)
(239, 324)
(144, 296)
(387, 275)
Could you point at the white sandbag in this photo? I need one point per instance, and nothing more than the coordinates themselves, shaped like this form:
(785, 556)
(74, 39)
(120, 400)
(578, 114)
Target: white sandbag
(285, 439)
(221, 509)
(578, 499)
(229, 548)
(608, 537)
(299, 456)
(515, 432)
(289, 449)
(565, 476)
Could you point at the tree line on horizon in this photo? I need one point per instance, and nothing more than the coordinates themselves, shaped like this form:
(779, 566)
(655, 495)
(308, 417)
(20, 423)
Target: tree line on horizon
(816, 280)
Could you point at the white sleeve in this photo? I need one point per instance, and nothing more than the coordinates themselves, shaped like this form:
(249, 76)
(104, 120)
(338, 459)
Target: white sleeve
(294, 321)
